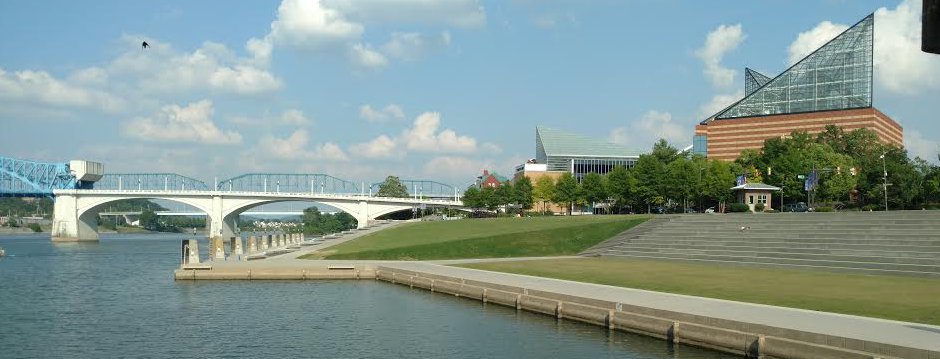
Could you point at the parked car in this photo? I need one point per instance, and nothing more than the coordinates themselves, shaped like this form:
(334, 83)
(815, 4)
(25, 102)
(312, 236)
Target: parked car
(657, 210)
(710, 210)
(797, 207)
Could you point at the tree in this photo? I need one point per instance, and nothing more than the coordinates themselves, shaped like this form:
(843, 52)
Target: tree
(621, 186)
(683, 181)
(594, 188)
(523, 191)
(544, 190)
(505, 195)
(148, 220)
(664, 152)
(392, 187)
(473, 198)
(566, 191)
(488, 198)
(651, 179)
(718, 181)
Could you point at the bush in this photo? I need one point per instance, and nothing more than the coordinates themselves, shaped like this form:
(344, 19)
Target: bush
(739, 208)
(870, 207)
(824, 209)
(759, 207)
(35, 227)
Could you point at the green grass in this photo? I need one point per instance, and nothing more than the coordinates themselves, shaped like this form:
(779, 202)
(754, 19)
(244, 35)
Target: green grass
(484, 238)
(912, 299)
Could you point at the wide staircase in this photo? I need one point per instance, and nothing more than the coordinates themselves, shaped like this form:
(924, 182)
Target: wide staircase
(897, 242)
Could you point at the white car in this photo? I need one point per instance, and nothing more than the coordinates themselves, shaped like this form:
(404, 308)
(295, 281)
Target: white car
(710, 210)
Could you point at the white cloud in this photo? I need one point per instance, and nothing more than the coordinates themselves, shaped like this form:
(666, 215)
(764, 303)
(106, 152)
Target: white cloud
(900, 66)
(290, 117)
(294, 117)
(213, 67)
(365, 56)
(308, 24)
(491, 148)
(463, 13)
(652, 126)
(411, 46)
(380, 147)
(808, 41)
(391, 111)
(455, 166)
(917, 145)
(718, 43)
(294, 147)
(173, 123)
(41, 88)
(424, 136)
(718, 103)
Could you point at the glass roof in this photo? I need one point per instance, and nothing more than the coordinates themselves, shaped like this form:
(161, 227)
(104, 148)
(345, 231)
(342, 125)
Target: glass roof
(836, 76)
(753, 80)
(560, 143)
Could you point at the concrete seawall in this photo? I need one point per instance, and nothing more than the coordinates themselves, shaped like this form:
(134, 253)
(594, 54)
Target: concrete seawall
(740, 338)
(732, 336)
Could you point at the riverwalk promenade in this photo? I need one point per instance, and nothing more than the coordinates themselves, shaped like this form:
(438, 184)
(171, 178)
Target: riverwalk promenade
(751, 330)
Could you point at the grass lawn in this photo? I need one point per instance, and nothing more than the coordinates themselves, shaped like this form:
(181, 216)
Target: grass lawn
(484, 238)
(911, 299)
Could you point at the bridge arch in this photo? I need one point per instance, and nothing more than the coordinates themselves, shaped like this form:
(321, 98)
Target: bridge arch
(86, 212)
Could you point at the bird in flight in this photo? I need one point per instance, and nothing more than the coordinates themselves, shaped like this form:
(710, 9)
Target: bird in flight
(144, 45)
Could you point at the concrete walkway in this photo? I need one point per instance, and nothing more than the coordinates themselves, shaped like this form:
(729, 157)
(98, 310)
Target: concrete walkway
(920, 336)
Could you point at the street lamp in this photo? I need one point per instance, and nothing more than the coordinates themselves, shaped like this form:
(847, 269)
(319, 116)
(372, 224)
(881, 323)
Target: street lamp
(884, 168)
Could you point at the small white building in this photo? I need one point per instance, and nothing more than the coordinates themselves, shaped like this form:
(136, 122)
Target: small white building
(753, 193)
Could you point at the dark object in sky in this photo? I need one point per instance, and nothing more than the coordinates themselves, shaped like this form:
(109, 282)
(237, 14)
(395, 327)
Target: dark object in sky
(145, 45)
(930, 31)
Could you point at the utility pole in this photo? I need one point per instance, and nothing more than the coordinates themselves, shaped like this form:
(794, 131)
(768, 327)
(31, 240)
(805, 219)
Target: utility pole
(884, 168)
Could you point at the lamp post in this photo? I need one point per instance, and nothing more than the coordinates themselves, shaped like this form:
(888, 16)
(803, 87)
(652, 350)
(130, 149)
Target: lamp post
(884, 169)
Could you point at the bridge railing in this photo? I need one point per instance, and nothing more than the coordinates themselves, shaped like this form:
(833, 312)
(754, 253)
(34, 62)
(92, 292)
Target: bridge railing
(149, 182)
(292, 183)
(422, 188)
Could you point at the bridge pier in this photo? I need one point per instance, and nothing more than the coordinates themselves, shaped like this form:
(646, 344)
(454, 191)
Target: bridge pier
(70, 225)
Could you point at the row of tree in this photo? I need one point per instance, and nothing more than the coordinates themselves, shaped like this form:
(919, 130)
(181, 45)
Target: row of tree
(848, 166)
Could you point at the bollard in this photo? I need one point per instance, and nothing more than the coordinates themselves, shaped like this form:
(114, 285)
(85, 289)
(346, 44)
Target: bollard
(239, 252)
(217, 249)
(252, 245)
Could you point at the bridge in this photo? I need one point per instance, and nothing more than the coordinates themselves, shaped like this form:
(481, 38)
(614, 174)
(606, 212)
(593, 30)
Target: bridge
(80, 197)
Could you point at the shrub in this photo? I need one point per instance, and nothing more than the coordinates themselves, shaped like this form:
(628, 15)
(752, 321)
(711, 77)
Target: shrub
(739, 207)
(824, 209)
(35, 227)
(759, 207)
(870, 207)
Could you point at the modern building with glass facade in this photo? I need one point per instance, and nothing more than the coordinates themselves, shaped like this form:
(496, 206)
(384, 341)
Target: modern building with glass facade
(830, 86)
(558, 151)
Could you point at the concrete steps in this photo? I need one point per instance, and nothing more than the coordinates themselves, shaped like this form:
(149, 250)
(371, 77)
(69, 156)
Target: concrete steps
(901, 242)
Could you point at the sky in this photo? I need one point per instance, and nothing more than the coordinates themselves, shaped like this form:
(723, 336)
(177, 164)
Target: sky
(420, 89)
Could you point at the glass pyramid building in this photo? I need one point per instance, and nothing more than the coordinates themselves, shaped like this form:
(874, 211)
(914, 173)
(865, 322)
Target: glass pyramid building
(830, 86)
(836, 76)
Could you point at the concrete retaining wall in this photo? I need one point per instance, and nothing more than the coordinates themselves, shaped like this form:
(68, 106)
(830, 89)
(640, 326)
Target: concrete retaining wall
(746, 339)
(740, 338)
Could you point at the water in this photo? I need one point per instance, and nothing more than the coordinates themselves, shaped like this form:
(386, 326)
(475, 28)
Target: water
(117, 298)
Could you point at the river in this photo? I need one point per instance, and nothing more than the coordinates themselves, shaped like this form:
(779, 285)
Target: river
(117, 298)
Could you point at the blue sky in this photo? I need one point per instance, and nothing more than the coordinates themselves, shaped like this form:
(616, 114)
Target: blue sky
(419, 89)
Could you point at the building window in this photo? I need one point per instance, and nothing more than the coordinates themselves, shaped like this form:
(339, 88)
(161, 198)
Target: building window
(762, 198)
(750, 199)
